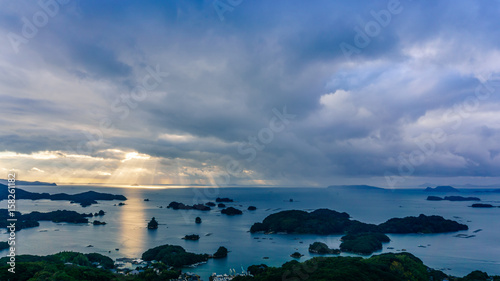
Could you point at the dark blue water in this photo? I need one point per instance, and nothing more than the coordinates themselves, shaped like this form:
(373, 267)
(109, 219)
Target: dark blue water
(126, 225)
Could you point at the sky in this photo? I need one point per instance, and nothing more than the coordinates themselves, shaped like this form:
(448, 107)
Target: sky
(238, 92)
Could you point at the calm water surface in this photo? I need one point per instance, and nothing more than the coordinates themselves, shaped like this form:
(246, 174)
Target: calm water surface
(126, 225)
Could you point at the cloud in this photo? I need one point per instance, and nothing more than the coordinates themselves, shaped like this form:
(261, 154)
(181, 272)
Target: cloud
(71, 92)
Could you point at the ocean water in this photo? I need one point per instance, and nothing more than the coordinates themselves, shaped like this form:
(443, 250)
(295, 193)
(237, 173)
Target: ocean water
(126, 225)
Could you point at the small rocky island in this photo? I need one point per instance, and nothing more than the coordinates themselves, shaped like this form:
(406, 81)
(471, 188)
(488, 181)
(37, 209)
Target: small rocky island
(221, 253)
(98, 223)
(197, 220)
(252, 208)
(296, 255)
(231, 211)
(192, 237)
(153, 224)
(322, 249)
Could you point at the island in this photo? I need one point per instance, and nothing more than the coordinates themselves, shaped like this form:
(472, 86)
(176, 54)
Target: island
(32, 219)
(441, 188)
(98, 222)
(18, 182)
(231, 211)
(221, 205)
(356, 187)
(252, 208)
(223, 200)
(181, 206)
(84, 199)
(296, 255)
(174, 256)
(153, 224)
(326, 221)
(452, 198)
(322, 249)
(210, 204)
(363, 243)
(389, 266)
(221, 253)
(480, 205)
(192, 237)
(197, 220)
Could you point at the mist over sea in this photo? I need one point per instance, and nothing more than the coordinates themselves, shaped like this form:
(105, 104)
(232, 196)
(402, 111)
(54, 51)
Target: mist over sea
(126, 225)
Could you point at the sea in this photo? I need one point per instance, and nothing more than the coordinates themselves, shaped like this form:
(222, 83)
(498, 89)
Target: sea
(126, 234)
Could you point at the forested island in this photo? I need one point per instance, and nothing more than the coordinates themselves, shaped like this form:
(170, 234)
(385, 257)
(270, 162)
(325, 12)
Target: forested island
(84, 199)
(325, 221)
(170, 259)
(173, 255)
(388, 267)
(31, 219)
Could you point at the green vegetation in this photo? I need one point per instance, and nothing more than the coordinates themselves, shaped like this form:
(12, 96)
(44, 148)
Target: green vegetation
(31, 219)
(221, 253)
(387, 267)
(322, 249)
(363, 243)
(78, 267)
(325, 221)
(421, 224)
(173, 255)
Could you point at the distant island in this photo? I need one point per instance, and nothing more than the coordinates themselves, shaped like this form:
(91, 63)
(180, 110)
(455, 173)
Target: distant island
(31, 219)
(442, 188)
(84, 199)
(325, 221)
(181, 206)
(223, 200)
(481, 205)
(452, 198)
(18, 182)
(357, 187)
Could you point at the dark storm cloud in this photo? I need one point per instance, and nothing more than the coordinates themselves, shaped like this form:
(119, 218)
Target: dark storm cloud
(356, 116)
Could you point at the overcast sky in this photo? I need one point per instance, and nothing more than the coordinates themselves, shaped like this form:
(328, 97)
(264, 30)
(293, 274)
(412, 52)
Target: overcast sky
(307, 93)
